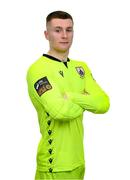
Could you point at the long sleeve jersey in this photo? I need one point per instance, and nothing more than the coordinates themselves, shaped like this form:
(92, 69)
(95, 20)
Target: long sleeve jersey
(61, 92)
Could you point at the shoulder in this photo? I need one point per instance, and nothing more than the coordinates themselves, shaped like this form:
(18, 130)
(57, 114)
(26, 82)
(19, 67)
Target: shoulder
(37, 67)
(36, 64)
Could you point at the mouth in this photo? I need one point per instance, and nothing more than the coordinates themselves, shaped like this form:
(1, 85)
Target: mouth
(64, 42)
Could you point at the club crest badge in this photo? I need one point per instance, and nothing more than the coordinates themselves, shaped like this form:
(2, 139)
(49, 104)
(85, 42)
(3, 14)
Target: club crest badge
(80, 71)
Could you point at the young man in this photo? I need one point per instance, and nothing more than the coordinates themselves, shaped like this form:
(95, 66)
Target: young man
(61, 89)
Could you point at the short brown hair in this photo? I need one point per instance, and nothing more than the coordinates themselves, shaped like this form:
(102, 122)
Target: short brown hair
(59, 15)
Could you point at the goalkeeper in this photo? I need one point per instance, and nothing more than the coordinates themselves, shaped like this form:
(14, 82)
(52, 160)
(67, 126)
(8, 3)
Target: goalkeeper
(61, 89)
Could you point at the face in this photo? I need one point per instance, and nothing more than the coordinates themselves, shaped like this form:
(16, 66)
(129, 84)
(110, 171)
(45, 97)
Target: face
(59, 33)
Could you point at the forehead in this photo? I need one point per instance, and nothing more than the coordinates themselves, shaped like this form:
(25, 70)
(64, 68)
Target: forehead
(64, 23)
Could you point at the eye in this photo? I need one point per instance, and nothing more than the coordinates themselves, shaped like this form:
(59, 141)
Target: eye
(69, 30)
(57, 30)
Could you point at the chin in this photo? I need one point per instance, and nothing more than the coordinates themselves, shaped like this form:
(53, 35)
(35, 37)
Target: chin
(63, 49)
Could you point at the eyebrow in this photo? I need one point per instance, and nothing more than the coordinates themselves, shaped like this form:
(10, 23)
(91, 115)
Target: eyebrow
(59, 27)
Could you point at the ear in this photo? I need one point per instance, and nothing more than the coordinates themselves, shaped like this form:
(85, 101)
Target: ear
(46, 34)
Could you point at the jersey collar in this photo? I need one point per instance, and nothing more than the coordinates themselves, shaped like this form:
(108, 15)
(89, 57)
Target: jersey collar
(54, 58)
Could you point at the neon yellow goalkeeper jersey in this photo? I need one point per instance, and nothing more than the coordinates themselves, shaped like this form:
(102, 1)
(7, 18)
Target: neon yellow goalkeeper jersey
(61, 92)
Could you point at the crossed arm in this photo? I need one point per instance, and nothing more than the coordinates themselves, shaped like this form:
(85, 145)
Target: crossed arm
(49, 96)
(70, 105)
(93, 98)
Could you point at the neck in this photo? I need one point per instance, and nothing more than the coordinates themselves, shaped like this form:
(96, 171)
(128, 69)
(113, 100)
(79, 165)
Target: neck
(59, 55)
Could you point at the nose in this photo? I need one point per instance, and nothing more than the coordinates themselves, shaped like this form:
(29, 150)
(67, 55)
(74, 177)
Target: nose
(64, 34)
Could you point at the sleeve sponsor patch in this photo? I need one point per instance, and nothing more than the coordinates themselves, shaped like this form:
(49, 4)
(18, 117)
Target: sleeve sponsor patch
(42, 85)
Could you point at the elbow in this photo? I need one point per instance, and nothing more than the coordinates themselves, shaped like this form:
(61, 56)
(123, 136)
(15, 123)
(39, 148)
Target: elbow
(104, 105)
